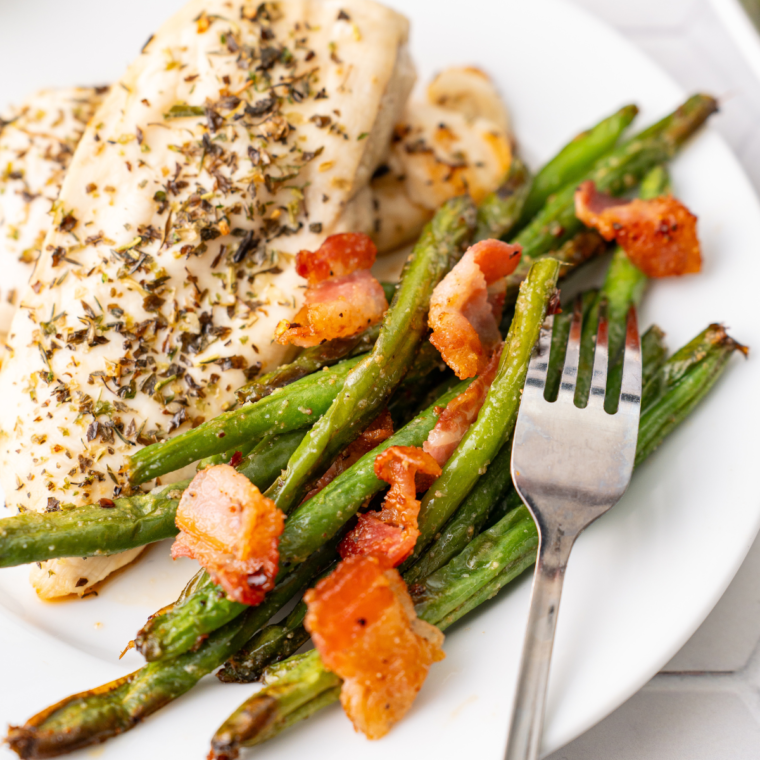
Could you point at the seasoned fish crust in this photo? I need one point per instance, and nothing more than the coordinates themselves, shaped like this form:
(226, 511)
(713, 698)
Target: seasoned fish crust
(37, 142)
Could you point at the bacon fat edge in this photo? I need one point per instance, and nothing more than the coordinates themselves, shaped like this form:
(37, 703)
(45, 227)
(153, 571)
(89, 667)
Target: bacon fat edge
(465, 330)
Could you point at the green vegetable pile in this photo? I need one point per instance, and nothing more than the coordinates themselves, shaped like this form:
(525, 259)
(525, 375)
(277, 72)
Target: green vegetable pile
(475, 534)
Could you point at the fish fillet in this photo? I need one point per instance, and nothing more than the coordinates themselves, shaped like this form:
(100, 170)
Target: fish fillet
(238, 137)
(37, 142)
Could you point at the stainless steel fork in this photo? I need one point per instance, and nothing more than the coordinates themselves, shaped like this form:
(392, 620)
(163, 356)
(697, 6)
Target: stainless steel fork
(569, 465)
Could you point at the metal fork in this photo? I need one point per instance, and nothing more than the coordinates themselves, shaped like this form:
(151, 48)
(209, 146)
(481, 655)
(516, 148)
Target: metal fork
(569, 465)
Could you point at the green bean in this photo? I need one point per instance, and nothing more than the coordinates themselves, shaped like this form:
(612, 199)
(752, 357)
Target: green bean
(653, 356)
(482, 560)
(130, 521)
(468, 519)
(291, 694)
(91, 530)
(371, 383)
(271, 644)
(498, 414)
(615, 173)
(689, 374)
(575, 159)
(284, 410)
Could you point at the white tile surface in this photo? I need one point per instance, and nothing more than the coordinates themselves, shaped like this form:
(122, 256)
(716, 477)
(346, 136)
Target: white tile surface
(706, 703)
(671, 724)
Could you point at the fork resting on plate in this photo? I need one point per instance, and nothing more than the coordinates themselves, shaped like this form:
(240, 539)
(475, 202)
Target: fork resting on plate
(569, 466)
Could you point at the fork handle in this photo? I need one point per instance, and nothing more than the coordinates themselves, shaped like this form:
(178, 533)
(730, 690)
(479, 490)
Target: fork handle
(530, 698)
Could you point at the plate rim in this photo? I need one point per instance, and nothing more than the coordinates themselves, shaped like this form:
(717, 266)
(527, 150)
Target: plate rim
(587, 18)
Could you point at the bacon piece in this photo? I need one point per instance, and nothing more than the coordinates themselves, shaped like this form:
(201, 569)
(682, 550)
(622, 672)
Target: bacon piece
(342, 299)
(380, 430)
(232, 530)
(460, 413)
(363, 623)
(465, 330)
(339, 255)
(659, 235)
(339, 307)
(392, 532)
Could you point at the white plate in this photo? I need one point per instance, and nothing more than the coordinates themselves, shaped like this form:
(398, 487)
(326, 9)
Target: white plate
(642, 579)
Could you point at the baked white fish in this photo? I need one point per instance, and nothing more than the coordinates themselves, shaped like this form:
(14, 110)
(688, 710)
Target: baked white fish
(37, 142)
(238, 137)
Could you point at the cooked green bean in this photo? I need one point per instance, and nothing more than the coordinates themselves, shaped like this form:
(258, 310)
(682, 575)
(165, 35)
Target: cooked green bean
(575, 159)
(286, 409)
(369, 386)
(498, 414)
(615, 173)
(128, 522)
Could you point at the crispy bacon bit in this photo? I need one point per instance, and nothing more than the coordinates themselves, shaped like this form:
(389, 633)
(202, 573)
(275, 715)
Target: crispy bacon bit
(336, 308)
(338, 256)
(378, 431)
(464, 326)
(232, 530)
(392, 532)
(659, 235)
(363, 623)
(460, 413)
(342, 299)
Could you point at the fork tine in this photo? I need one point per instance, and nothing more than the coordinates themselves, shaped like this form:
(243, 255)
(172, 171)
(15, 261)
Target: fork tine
(630, 388)
(535, 381)
(570, 370)
(601, 360)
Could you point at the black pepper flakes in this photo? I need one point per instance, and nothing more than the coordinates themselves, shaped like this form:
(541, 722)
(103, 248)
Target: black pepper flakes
(247, 244)
(153, 302)
(214, 120)
(177, 419)
(260, 107)
(269, 56)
